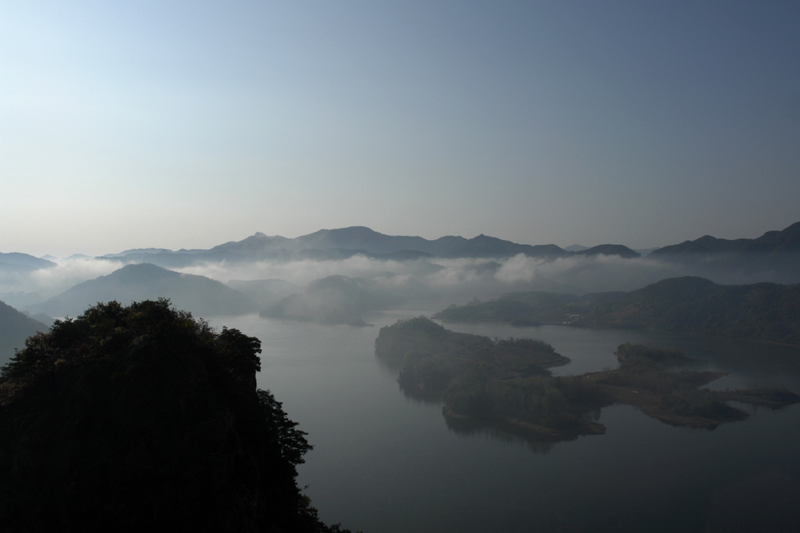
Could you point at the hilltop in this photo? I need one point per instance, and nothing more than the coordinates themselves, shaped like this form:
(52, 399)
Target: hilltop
(142, 418)
(144, 281)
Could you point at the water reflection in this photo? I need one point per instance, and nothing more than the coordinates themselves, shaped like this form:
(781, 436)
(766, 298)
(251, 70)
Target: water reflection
(507, 433)
(767, 501)
(487, 391)
(384, 461)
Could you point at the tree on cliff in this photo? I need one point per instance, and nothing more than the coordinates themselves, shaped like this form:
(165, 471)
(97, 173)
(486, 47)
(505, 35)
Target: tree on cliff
(143, 418)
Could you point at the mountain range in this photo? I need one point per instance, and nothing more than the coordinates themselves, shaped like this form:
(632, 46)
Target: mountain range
(775, 256)
(358, 240)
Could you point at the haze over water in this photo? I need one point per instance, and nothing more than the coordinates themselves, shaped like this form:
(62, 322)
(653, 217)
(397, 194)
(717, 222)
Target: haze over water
(384, 462)
(185, 125)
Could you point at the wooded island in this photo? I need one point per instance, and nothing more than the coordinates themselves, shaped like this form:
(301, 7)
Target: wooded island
(506, 383)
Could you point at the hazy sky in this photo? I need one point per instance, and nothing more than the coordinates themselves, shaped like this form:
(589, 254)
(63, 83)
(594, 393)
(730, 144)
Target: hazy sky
(190, 123)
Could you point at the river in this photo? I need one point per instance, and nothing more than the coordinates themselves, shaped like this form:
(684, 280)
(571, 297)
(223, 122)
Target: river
(384, 462)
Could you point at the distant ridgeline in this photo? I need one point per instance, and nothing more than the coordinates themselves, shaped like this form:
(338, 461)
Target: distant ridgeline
(505, 383)
(775, 256)
(763, 311)
(337, 244)
(142, 418)
(22, 263)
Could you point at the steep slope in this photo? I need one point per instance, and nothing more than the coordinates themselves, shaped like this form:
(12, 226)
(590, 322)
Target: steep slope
(140, 418)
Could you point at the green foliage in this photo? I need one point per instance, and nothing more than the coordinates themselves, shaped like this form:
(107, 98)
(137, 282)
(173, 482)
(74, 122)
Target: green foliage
(143, 418)
(527, 344)
(285, 435)
(109, 330)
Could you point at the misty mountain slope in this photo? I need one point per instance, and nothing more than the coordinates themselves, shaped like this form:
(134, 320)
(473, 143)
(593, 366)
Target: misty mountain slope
(264, 292)
(761, 311)
(138, 252)
(334, 300)
(15, 327)
(360, 237)
(197, 294)
(786, 240)
(19, 262)
(485, 246)
(775, 256)
(604, 273)
(610, 249)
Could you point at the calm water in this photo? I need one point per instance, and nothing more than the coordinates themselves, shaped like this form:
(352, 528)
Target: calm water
(383, 462)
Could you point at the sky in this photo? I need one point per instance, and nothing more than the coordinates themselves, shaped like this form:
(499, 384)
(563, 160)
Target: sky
(186, 124)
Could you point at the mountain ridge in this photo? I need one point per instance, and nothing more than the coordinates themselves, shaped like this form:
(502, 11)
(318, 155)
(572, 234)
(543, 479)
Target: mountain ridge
(346, 242)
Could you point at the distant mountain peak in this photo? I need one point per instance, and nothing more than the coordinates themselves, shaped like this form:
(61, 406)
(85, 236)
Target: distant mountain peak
(610, 249)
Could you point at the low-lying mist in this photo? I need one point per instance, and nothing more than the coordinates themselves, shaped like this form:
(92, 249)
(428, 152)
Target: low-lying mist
(347, 290)
(20, 289)
(452, 280)
(457, 280)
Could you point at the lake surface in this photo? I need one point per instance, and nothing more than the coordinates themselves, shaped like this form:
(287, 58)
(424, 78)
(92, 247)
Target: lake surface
(383, 462)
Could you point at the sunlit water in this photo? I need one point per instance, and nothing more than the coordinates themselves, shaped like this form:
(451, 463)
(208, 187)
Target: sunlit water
(383, 462)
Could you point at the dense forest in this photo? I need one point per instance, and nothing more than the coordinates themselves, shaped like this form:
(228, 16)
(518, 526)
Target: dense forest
(142, 418)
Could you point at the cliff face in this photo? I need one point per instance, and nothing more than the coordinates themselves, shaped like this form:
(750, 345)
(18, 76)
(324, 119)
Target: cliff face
(142, 419)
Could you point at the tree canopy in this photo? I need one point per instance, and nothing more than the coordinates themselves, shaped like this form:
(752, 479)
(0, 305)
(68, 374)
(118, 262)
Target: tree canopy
(143, 418)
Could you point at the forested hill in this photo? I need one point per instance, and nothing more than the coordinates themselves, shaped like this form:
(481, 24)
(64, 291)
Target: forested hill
(762, 311)
(141, 418)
